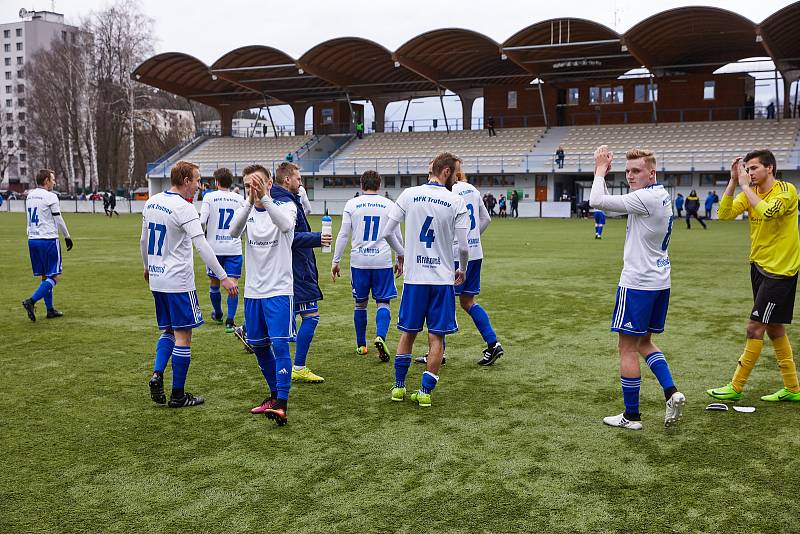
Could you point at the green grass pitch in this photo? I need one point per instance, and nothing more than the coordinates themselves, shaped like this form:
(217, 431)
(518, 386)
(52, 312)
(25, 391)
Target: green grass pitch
(516, 447)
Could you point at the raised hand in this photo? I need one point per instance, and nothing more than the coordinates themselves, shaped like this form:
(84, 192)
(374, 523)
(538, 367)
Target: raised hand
(602, 160)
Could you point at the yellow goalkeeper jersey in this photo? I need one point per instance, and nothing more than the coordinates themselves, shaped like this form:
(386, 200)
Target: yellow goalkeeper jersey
(774, 239)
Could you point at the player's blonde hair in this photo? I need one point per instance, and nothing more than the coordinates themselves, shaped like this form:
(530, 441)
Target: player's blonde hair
(284, 170)
(181, 171)
(648, 156)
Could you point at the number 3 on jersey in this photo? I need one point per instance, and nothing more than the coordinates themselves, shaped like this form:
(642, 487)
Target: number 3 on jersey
(151, 242)
(426, 234)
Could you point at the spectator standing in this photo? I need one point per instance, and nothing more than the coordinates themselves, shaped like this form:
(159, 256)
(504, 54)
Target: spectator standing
(679, 204)
(490, 126)
(771, 110)
(560, 157)
(709, 204)
(112, 204)
(360, 129)
(514, 204)
(492, 203)
(692, 207)
(105, 203)
(502, 207)
(289, 157)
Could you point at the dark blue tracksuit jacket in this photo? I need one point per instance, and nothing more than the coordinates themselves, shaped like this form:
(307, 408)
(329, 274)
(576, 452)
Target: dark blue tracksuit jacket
(304, 263)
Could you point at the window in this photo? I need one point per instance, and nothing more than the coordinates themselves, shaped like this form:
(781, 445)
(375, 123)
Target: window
(9, 130)
(8, 89)
(512, 100)
(8, 102)
(22, 156)
(341, 181)
(7, 47)
(9, 116)
(21, 74)
(19, 60)
(619, 93)
(594, 95)
(19, 46)
(714, 179)
(8, 75)
(573, 96)
(63, 35)
(641, 90)
(10, 144)
(20, 88)
(388, 181)
(21, 102)
(673, 180)
(7, 33)
(405, 181)
(19, 32)
(21, 115)
(23, 171)
(23, 143)
(708, 90)
(21, 130)
(8, 62)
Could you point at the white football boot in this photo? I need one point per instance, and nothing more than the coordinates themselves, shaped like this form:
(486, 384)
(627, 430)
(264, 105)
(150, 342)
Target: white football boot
(620, 421)
(674, 411)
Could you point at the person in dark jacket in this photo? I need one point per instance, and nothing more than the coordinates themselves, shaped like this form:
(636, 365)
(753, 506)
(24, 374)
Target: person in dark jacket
(709, 204)
(304, 268)
(692, 206)
(679, 204)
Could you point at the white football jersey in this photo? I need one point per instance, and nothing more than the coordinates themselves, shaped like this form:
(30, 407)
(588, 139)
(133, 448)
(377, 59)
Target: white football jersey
(368, 215)
(170, 222)
(40, 205)
(432, 214)
(473, 201)
(268, 254)
(217, 213)
(646, 260)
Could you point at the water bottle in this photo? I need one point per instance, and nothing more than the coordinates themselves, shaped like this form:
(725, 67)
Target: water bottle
(327, 229)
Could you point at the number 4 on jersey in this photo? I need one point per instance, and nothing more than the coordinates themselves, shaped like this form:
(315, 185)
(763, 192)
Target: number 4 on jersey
(426, 234)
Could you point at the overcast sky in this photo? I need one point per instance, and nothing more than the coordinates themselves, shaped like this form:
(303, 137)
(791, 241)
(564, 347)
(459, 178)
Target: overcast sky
(207, 29)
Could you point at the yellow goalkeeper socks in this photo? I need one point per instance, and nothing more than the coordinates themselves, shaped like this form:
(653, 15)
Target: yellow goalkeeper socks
(748, 359)
(783, 353)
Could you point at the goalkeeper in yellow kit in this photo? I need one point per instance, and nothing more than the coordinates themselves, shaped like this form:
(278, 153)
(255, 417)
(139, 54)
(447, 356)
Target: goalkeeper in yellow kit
(774, 261)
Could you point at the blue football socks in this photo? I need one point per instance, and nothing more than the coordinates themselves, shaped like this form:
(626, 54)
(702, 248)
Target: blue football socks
(233, 305)
(266, 362)
(658, 364)
(481, 320)
(44, 288)
(283, 367)
(181, 358)
(216, 300)
(630, 396)
(48, 297)
(305, 335)
(164, 347)
(383, 316)
(401, 364)
(429, 381)
(360, 322)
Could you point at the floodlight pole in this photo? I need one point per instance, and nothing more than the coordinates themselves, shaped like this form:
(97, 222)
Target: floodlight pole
(444, 113)
(352, 113)
(541, 101)
(269, 114)
(253, 134)
(777, 102)
(403, 124)
(653, 99)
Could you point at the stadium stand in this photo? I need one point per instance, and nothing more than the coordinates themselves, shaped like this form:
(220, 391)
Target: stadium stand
(687, 145)
(235, 152)
(411, 152)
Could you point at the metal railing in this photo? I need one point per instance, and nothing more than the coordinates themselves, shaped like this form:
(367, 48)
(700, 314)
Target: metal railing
(582, 162)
